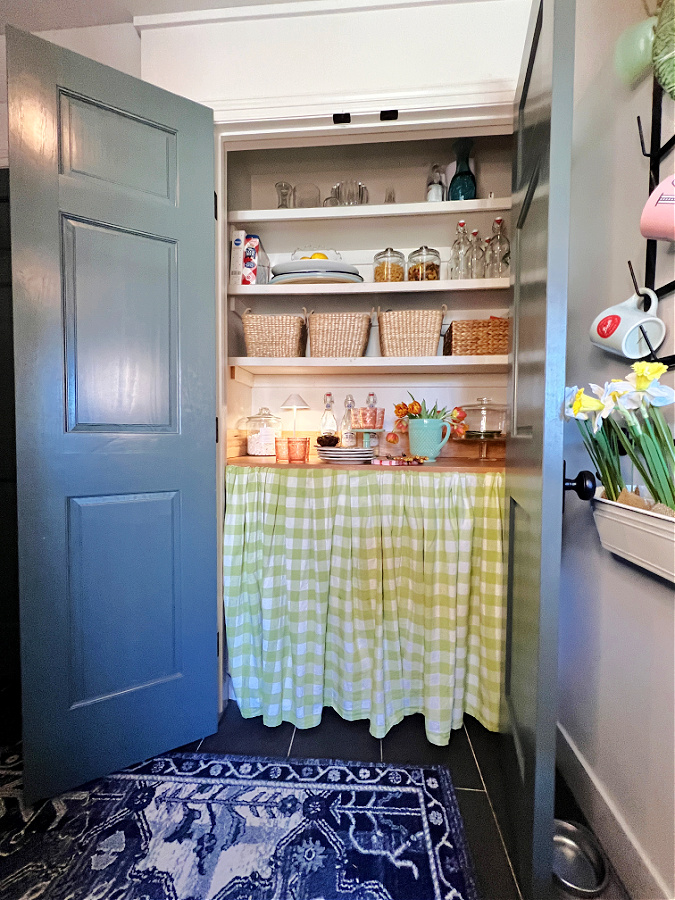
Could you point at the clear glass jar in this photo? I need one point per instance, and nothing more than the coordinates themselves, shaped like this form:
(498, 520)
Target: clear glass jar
(485, 420)
(261, 430)
(389, 265)
(424, 265)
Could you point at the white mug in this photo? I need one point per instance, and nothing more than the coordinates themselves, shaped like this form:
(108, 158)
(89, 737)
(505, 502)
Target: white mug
(617, 328)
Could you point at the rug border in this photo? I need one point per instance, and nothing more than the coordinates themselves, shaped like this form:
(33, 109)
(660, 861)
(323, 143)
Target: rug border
(445, 776)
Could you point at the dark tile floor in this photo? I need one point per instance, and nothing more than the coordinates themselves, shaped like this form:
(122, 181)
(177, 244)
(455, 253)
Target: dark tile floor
(335, 738)
(472, 757)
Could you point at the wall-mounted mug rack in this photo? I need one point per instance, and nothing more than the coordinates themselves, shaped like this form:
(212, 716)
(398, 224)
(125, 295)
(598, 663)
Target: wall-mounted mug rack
(655, 154)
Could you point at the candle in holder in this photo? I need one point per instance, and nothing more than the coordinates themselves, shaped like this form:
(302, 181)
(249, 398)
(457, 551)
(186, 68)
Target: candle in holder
(298, 450)
(281, 446)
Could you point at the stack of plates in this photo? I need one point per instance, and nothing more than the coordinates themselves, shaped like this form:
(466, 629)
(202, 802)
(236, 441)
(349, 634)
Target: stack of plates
(315, 271)
(345, 455)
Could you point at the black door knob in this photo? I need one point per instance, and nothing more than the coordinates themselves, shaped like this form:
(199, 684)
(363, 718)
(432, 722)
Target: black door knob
(583, 485)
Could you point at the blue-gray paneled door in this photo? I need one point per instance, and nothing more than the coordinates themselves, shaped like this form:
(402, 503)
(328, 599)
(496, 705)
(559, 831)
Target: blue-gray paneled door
(114, 317)
(534, 460)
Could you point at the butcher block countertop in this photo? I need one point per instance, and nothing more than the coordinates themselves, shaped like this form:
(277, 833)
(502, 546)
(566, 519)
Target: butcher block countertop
(442, 464)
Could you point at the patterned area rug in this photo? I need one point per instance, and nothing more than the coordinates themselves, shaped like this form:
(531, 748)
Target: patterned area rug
(201, 827)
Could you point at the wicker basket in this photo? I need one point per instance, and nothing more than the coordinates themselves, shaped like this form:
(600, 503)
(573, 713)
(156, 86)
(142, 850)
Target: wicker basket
(410, 332)
(338, 334)
(277, 336)
(477, 337)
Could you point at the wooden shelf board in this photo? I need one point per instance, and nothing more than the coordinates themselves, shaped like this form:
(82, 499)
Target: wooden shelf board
(370, 287)
(392, 365)
(382, 210)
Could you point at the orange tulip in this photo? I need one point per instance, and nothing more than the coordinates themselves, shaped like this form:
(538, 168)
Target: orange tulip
(414, 408)
(392, 438)
(400, 410)
(459, 429)
(458, 414)
(401, 425)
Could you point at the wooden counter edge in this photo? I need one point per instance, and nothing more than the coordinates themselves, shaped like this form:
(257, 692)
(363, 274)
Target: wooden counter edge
(446, 464)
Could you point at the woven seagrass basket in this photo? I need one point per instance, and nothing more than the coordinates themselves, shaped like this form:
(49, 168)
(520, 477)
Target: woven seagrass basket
(477, 337)
(276, 336)
(410, 332)
(339, 334)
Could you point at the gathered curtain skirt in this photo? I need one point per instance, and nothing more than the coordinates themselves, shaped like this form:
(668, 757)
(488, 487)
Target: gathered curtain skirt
(377, 593)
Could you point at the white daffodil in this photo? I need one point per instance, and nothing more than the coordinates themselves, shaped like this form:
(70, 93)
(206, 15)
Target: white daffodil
(642, 386)
(570, 394)
(580, 405)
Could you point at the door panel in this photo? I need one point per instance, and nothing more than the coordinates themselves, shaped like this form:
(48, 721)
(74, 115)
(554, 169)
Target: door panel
(114, 319)
(541, 194)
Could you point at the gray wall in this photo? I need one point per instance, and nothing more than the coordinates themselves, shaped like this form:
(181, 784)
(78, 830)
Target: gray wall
(617, 624)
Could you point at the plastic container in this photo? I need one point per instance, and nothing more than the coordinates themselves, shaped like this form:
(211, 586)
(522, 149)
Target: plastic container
(389, 265)
(424, 265)
(261, 432)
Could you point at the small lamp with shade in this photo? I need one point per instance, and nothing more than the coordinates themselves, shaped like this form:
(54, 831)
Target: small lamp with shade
(294, 402)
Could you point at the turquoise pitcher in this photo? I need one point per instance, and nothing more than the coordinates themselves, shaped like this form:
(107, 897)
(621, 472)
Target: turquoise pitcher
(426, 437)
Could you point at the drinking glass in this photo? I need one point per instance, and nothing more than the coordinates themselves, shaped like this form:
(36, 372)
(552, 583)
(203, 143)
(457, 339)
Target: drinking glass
(306, 196)
(285, 194)
(351, 193)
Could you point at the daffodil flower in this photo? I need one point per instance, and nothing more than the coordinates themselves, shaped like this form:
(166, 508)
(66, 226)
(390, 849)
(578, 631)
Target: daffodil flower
(638, 389)
(582, 405)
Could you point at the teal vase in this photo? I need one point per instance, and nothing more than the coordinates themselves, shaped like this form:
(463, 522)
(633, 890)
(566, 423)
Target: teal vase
(426, 437)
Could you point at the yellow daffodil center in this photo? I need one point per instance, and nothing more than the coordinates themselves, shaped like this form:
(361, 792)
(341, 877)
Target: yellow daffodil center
(583, 403)
(647, 372)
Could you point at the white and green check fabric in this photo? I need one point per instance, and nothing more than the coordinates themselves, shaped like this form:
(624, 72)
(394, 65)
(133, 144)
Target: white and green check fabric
(379, 593)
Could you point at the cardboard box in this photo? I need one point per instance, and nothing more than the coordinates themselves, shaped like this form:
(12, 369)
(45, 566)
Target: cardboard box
(237, 241)
(256, 266)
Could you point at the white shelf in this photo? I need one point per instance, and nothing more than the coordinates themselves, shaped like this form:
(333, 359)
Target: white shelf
(393, 365)
(379, 211)
(370, 287)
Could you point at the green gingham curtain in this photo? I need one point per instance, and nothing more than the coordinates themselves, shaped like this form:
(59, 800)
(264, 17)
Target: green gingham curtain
(377, 592)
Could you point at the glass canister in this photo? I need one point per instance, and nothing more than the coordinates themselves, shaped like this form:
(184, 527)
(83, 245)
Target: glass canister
(261, 430)
(424, 265)
(389, 265)
(485, 420)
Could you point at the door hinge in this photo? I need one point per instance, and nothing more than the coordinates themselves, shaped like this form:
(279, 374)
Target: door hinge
(217, 643)
(215, 206)
(216, 429)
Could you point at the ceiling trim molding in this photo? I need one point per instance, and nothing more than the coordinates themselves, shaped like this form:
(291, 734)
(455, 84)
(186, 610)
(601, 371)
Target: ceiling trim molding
(482, 109)
(292, 9)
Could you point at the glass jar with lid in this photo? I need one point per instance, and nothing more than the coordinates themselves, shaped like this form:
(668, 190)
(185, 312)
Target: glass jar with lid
(389, 265)
(485, 420)
(261, 430)
(424, 265)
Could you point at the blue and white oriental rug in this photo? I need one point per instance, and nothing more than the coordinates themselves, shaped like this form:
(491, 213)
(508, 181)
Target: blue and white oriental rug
(201, 827)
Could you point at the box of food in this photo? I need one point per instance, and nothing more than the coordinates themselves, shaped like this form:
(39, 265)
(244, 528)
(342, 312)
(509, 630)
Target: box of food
(237, 240)
(256, 264)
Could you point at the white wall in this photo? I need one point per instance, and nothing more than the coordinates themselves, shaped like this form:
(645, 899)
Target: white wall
(325, 57)
(616, 668)
(118, 46)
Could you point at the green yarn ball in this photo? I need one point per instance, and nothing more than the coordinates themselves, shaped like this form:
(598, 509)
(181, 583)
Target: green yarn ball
(663, 51)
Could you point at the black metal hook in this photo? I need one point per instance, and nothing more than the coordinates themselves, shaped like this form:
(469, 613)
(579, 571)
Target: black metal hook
(643, 295)
(642, 139)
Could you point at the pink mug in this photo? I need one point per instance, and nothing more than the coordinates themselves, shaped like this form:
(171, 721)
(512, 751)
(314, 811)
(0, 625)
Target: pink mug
(657, 222)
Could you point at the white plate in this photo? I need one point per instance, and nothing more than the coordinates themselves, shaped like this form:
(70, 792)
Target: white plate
(347, 462)
(367, 455)
(314, 265)
(317, 278)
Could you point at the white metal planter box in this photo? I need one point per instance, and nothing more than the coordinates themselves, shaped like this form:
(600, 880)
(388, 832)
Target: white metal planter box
(643, 537)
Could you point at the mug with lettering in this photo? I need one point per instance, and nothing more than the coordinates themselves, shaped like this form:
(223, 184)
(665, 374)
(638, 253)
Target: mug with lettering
(617, 328)
(658, 217)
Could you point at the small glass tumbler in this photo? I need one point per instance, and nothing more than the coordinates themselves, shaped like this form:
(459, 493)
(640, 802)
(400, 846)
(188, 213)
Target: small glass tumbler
(298, 450)
(281, 447)
(285, 194)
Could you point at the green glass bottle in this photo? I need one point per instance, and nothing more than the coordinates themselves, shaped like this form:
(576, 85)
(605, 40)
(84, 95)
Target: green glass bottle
(463, 183)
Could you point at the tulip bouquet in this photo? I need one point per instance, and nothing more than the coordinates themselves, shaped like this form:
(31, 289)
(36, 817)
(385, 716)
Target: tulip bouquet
(416, 410)
(625, 415)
